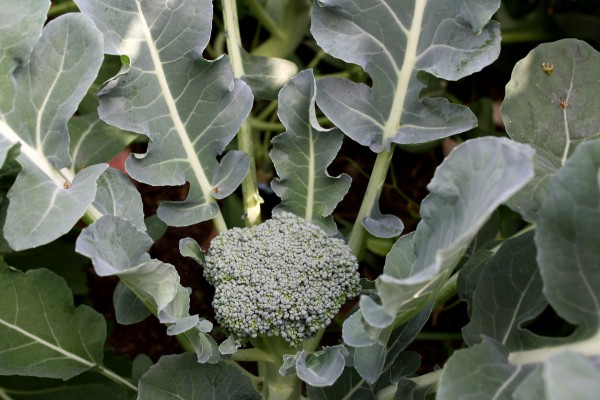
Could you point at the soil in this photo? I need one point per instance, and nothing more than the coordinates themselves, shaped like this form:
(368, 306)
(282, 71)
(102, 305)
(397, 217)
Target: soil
(412, 172)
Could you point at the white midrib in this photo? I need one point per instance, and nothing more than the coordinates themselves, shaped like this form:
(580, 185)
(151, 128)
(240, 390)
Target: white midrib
(188, 147)
(4, 395)
(310, 195)
(49, 345)
(405, 73)
(37, 157)
(566, 121)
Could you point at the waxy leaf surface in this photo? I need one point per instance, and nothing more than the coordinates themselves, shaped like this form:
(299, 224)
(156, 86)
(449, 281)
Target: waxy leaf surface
(508, 294)
(117, 247)
(181, 377)
(551, 110)
(190, 108)
(44, 82)
(567, 238)
(41, 333)
(467, 187)
(394, 41)
(302, 154)
(480, 372)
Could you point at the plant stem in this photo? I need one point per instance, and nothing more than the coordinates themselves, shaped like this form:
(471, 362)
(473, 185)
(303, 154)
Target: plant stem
(380, 169)
(276, 386)
(251, 198)
(265, 19)
(252, 355)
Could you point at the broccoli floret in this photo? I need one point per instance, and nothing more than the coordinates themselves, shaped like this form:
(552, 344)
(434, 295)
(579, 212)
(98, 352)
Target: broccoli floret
(284, 277)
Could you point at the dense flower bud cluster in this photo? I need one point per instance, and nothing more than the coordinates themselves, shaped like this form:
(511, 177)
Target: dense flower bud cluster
(284, 277)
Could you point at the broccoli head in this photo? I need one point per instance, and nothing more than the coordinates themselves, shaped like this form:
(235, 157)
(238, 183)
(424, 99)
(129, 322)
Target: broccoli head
(284, 277)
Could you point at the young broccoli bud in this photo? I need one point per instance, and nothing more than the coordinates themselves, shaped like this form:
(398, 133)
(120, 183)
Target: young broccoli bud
(284, 277)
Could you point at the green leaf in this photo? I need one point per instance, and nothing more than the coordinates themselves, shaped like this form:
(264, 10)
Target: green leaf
(181, 377)
(42, 333)
(44, 93)
(481, 372)
(156, 228)
(509, 293)
(567, 238)
(190, 108)
(86, 386)
(533, 111)
(469, 274)
(93, 141)
(395, 44)
(128, 308)
(116, 195)
(467, 187)
(373, 359)
(58, 256)
(21, 28)
(318, 369)
(266, 75)
(188, 247)
(349, 386)
(567, 375)
(117, 247)
(302, 154)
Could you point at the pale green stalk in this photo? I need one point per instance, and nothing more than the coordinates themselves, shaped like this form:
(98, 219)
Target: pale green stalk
(265, 19)
(251, 198)
(380, 169)
(276, 386)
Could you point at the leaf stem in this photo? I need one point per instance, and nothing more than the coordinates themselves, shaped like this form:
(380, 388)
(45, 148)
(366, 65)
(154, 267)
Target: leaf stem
(251, 198)
(265, 19)
(380, 169)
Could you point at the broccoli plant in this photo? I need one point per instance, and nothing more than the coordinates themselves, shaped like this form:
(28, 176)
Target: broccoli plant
(198, 104)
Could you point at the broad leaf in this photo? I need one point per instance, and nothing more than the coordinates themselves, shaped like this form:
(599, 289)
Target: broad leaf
(59, 257)
(129, 309)
(394, 42)
(181, 377)
(566, 375)
(377, 350)
(41, 332)
(266, 75)
(349, 386)
(46, 201)
(86, 386)
(567, 238)
(93, 141)
(302, 154)
(318, 369)
(470, 184)
(20, 30)
(550, 110)
(480, 372)
(190, 108)
(116, 195)
(509, 294)
(117, 247)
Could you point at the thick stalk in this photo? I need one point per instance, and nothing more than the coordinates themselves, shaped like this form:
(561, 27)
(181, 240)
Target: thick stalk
(380, 169)
(251, 198)
(276, 386)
